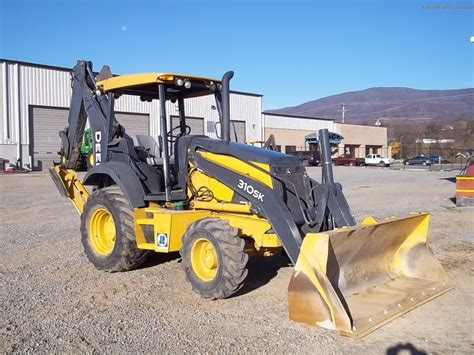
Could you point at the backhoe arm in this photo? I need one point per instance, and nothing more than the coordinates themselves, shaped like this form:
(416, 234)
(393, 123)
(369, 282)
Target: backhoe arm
(87, 102)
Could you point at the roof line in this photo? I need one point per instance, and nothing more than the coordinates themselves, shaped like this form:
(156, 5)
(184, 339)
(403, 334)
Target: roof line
(54, 67)
(297, 116)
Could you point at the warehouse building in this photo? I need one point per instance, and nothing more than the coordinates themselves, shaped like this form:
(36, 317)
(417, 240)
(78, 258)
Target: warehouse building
(34, 107)
(295, 132)
(291, 131)
(35, 101)
(360, 140)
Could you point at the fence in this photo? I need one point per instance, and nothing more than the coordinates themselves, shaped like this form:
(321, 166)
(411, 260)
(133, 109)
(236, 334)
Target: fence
(444, 157)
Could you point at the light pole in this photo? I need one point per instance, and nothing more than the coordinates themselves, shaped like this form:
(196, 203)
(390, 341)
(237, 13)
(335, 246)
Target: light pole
(401, 147)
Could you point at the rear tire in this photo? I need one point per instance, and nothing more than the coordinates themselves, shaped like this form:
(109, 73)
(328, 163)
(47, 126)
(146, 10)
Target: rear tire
(351, 163)
(214, 260)
(108, 233)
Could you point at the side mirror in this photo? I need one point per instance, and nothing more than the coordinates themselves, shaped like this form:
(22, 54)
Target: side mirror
(217, 129)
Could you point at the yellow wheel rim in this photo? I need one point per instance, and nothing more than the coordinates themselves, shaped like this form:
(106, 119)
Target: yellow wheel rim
(204, 260)
(102, 231)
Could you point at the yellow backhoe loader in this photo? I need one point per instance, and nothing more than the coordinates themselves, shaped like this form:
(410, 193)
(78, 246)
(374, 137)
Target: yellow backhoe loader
(213, 200)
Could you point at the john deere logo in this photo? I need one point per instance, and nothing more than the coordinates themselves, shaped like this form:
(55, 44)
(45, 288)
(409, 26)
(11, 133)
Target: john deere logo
(162, 240)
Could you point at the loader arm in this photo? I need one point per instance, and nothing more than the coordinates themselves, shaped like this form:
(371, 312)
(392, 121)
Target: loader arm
(330, 209)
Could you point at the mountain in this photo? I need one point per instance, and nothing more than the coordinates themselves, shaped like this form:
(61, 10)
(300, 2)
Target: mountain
(390, 104)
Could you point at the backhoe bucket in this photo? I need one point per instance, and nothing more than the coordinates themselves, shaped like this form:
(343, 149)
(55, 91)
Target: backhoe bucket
(356, 279)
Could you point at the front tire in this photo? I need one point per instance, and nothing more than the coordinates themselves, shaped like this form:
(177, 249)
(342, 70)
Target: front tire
(214, 260)
(382, 164)
(108, 233)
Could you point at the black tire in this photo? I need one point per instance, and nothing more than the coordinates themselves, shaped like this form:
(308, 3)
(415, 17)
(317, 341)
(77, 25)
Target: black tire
(232, 260)
(351, 163)
(382, 164)
(125, 255)
(305, 162)
(424, 163)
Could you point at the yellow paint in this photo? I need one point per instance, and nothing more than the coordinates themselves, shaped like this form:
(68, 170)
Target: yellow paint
(242, 167)
(253, 227)
(170, 222)
(204, 260)
(464, 190)
(131, 80)
(76, 192)
(219, 190)
(369, 221)
(390, 258)
(312, 262)
(464, 177)
(102, 231)
(218, 206)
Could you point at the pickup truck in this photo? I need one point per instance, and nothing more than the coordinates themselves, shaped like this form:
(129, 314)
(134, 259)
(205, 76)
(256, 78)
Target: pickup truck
(375, 159)
(347, 159)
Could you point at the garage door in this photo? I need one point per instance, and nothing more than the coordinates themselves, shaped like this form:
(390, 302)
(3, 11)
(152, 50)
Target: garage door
(134, 123)
(239, 128)
(196, 124)
(47, 122)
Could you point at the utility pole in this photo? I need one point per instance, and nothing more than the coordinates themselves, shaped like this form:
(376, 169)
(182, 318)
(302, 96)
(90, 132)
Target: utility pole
(343, 110)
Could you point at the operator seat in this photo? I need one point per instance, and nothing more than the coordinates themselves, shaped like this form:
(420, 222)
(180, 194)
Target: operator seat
(152, 148)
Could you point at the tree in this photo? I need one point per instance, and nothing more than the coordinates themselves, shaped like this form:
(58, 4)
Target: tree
(395, 145)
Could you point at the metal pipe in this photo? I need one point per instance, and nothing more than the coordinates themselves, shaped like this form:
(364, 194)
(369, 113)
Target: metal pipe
(225, 97)
(182, 116)
(164, 141)
(326, 161)
(19, 116)
(5, 103)
(224, 207)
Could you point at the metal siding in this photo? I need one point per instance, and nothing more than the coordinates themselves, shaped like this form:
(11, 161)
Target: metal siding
(3, 103)
(242, 108)
(239, 128)
(12, 92)
(289, 122)
(31, 85)
(195, 123)
(134, 123)
(47, 122)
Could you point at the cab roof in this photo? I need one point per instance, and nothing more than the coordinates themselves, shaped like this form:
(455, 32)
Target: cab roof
(145, 85)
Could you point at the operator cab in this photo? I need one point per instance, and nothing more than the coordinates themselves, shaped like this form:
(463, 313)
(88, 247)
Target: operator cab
(174, 88)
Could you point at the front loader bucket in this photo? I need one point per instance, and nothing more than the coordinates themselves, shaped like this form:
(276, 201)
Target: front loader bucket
(356, 279)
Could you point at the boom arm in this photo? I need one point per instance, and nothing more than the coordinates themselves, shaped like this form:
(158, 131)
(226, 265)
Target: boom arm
(87, 102)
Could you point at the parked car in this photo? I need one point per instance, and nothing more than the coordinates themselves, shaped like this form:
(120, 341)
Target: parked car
(435, 159)
(347, 159)
(376, 159)
(308, 157)
(418, 160)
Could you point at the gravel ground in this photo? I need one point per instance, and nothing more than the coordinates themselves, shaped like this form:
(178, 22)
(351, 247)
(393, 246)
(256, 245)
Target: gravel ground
(53, 300)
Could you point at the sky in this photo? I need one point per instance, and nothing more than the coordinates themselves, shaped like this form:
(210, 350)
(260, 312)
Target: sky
(289, 51)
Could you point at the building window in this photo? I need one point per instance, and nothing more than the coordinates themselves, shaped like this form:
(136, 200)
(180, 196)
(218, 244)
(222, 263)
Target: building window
(278, 148)
(313, 146)
(290, 148)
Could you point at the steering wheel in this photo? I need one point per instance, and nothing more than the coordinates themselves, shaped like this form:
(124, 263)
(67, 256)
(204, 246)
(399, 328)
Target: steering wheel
(171, 137)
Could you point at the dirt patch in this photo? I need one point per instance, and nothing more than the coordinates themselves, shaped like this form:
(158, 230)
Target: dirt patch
(53, 300)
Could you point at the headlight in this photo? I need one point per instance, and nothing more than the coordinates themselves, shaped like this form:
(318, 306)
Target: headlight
(179, 82)
(187, 84)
